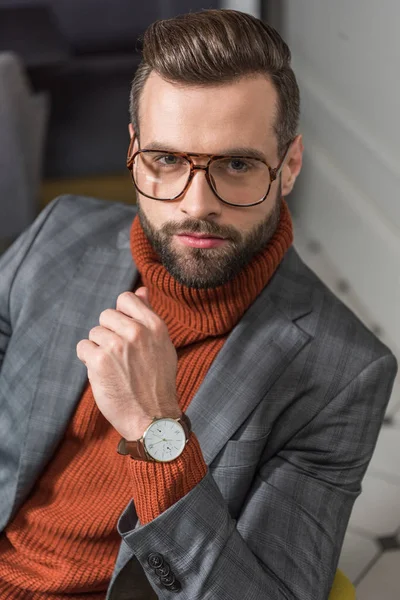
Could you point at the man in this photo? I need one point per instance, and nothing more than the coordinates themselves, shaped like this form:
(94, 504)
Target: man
(244, 398)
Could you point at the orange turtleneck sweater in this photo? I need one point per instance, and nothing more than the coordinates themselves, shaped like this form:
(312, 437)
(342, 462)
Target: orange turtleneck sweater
(63, 542)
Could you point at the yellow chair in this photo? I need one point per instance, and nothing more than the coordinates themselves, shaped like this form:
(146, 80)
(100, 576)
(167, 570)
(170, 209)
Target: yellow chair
(342, 588)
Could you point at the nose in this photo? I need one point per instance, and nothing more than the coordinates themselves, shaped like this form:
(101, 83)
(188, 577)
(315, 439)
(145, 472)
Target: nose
(199, 200)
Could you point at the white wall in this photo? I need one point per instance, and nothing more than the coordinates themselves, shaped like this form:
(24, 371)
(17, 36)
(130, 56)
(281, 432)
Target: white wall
(346, 56)
(249, 6)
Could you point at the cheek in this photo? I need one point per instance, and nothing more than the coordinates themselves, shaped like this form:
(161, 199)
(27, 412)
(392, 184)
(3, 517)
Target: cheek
(157, 213)
(249, 218)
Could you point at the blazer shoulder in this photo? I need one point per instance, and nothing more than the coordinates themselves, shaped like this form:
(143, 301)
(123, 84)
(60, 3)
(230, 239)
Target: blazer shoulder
(58, 240)
(90, 213)
(332, 323)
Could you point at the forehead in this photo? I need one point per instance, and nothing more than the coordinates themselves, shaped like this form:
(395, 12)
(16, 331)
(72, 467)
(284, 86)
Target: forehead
(208, 118)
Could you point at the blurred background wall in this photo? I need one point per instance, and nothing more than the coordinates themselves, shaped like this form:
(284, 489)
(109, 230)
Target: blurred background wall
(253, 7)
(346, 56)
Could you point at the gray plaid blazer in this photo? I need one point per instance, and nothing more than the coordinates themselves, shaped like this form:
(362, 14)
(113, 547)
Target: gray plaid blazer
(287, 416)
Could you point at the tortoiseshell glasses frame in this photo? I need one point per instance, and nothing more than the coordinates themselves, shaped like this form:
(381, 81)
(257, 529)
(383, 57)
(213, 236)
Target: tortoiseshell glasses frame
(273, 172)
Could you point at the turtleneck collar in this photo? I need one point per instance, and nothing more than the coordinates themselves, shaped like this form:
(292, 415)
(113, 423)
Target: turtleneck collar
(192, 314)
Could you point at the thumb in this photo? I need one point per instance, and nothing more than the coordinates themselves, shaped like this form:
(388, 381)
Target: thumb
(143, 294)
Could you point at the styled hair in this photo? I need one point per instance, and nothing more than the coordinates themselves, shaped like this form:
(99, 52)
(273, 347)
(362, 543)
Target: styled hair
(217, 46)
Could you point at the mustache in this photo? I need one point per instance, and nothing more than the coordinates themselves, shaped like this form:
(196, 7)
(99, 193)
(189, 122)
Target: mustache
(200, 226)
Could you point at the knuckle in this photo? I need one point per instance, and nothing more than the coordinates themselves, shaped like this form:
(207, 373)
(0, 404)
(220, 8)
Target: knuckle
(133, 333)
(100, 361)
(158, 325)
(116, 346)
(92, 332)
(124, 296)
(79, 346)
(103, 314)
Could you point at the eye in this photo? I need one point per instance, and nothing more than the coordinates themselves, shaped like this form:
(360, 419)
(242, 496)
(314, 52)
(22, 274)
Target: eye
(167, 159)
(234, 166)
(237, 164)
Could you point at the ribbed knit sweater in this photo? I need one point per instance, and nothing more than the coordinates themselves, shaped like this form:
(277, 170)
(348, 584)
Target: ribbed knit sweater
(63, 542)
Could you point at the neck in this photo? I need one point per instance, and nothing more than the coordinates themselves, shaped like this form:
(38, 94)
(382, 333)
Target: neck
(195, 314)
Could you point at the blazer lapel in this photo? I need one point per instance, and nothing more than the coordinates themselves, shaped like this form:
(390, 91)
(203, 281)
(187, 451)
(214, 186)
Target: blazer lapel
(94, 285)
(255, 354)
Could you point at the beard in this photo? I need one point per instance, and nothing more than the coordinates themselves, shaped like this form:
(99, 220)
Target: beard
(205, 268)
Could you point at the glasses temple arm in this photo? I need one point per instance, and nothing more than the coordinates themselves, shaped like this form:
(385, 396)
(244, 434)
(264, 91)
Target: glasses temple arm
(280, 166)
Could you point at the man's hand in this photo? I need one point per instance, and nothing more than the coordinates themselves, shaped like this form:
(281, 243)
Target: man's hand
(132, 365)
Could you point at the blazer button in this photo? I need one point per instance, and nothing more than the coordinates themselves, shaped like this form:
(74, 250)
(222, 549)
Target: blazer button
(164, 570)
(155, 560)
(175, 587)
(168, 580)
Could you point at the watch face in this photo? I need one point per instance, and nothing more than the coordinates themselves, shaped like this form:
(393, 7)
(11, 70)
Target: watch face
(165, 440)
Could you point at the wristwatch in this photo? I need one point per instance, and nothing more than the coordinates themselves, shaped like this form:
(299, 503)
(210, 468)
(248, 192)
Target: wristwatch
(163, 441)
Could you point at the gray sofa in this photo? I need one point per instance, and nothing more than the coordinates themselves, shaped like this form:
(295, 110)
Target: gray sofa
(23, 119)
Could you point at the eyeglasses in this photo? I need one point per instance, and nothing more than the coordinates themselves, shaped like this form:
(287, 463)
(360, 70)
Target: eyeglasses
(235, 180)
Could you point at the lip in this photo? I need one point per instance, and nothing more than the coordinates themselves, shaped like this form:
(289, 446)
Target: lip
(200, 240)
(202, 235)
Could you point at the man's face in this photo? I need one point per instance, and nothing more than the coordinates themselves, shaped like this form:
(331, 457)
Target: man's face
(211, 120)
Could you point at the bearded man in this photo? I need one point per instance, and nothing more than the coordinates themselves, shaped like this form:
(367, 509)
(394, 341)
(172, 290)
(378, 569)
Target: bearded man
(185, 409)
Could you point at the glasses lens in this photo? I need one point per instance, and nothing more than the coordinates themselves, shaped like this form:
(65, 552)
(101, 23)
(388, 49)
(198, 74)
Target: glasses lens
(160, 175)
(240, 180)
(163, 176)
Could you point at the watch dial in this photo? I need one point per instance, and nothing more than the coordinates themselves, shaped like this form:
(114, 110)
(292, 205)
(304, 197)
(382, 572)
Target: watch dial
(165, 440)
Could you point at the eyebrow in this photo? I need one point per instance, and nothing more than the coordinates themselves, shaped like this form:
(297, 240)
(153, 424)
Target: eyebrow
(237, 151)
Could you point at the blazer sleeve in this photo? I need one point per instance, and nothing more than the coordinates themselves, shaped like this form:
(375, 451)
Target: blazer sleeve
(286, 543)
(10, 263)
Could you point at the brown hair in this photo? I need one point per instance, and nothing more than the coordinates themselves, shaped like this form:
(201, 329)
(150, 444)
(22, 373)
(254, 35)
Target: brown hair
(214, 46)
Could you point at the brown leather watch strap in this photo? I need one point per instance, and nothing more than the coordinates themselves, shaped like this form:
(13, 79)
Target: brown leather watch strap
(136, 448)
(186, 424)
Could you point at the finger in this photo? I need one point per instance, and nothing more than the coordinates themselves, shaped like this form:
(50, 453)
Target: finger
(115, 320)
(133, 306)
(120, 324)
(143, 294)
(104, 337)
(84, 350)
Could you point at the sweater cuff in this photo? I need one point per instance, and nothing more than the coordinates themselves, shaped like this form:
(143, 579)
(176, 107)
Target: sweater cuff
(157, 486)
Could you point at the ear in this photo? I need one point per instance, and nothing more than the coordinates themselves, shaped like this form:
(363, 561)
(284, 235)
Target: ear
(132, 133)
(292, 166)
